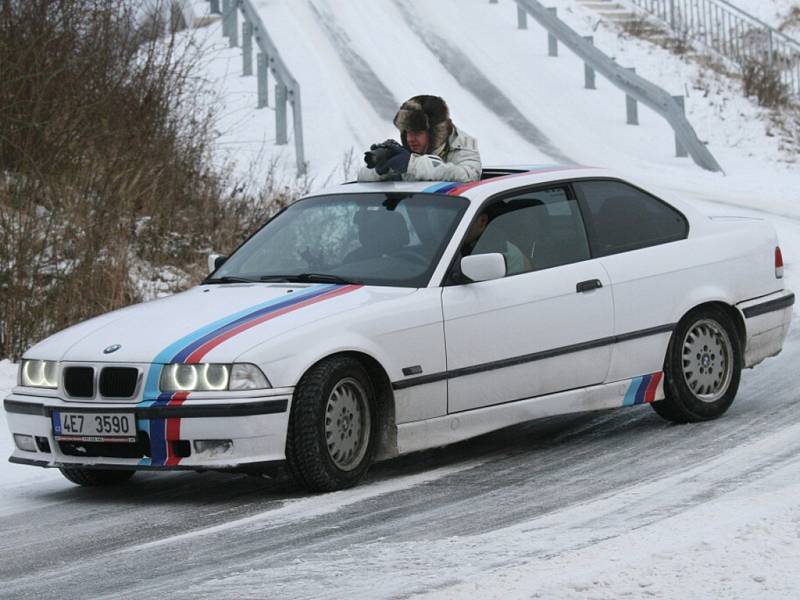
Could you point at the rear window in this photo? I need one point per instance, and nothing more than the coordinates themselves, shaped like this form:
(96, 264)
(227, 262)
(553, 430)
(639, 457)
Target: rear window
(621, 217)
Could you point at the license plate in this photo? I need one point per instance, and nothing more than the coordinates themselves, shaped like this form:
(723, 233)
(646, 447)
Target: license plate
(94, 427)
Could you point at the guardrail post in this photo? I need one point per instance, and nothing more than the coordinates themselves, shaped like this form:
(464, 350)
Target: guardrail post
(632, 107)
(214, 8)
(522, 18)
(281, 136)
(247, 48)
(552, 41)
(672, 14)
(771, 47)
(233, 26)
(262, 75)
(492, 1)
(297, 118)
(226, 23)
(680, 151)
(588, 72)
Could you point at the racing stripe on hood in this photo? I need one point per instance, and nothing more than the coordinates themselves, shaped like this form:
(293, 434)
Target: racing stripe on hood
(193, 347)
(196, 351)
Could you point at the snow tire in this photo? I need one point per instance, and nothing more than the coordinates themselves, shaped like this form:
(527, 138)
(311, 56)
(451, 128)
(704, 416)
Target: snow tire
(97, 477)
(309, 460)
(720, 367)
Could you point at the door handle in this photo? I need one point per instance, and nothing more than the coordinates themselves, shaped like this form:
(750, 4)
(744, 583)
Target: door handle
(588, 285)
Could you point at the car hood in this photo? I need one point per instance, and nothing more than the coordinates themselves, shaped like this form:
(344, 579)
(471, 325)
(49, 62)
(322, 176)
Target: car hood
(210, 323)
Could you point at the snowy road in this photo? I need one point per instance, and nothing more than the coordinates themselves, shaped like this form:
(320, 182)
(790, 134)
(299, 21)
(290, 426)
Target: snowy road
(423, 522)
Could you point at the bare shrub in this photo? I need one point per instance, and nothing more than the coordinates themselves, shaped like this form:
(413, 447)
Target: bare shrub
(641, 26)
(762, 80)
(105, 169)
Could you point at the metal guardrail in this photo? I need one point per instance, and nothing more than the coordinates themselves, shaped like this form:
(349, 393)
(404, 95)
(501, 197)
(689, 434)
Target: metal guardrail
(268, 59)
(730, 32)
(635, 87)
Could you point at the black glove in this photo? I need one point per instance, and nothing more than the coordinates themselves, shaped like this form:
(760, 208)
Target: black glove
(394, 146)
(380, 153)
(397, 163)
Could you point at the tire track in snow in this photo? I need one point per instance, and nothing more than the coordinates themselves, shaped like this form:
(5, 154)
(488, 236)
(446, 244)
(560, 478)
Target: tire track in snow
(473, 80)
(366, 80)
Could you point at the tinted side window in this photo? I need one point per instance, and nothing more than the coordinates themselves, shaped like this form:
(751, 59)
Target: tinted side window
(535, 230)
(622, 217)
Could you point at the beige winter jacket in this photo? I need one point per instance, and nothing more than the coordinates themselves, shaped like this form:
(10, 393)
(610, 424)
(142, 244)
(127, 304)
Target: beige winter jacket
(458, 160)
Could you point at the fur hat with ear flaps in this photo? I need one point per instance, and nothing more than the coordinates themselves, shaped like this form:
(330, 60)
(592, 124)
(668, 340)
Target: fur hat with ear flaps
(425, 113)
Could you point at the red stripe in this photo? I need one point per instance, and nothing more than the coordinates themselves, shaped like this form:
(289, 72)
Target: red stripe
(198, 354)
(468, 186)
(650, 394)
(173, 431)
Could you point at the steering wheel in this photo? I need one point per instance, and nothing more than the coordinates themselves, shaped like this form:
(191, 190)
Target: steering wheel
(411, 256)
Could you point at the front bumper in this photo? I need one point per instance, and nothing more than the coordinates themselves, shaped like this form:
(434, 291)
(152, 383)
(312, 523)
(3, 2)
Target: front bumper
(167, 436)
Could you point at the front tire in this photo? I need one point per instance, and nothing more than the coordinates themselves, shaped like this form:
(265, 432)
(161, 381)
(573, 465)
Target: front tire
(702, 368)
(331, 436)
(97, 477)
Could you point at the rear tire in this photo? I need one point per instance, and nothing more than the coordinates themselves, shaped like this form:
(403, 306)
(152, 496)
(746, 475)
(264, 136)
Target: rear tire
(331, 436)
(702, 368)
(97, 477)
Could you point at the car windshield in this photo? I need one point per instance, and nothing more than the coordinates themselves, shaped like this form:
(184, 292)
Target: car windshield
(392, 239)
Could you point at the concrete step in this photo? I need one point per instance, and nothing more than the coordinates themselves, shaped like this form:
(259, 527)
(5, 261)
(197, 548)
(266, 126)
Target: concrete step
(595, 5)
(618, 16)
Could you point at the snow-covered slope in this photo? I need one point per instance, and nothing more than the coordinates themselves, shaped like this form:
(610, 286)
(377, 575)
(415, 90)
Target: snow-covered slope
(357, 60)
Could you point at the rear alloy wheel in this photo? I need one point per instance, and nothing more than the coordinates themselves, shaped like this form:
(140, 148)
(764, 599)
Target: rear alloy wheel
(702, 368)
(97, 477)
(330, 440)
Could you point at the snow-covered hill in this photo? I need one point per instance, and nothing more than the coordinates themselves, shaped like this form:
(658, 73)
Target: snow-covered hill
(359, 59)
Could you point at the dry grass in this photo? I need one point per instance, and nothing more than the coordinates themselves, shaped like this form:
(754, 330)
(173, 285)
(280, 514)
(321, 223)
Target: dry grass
(105, 168)
(763, 81)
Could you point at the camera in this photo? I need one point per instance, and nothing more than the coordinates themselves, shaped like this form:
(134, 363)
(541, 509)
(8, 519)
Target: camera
(378, 154)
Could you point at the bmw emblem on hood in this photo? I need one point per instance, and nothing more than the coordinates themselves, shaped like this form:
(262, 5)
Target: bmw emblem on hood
(111, 349)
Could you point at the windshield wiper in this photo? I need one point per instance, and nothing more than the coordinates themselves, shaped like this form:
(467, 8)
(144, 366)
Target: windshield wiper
(229, 279)
(309, 278)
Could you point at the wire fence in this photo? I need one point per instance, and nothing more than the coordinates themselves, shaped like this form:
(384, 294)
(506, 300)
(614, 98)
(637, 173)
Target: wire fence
(732, 33)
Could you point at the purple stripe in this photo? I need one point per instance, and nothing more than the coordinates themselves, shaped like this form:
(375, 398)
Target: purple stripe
(158, 441)
(642, 389)
(188, 349)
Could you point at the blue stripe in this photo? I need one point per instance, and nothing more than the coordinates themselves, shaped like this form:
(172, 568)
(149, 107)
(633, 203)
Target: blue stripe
(642, 389)
(151, 392)
(248, 316)
(179, 350)
(630, 395)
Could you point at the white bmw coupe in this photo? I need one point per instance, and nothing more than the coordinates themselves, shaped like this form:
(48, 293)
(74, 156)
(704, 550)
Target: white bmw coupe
(379, 319)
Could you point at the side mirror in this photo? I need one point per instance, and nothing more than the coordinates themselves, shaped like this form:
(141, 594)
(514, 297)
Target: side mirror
(215, 261)
(483, 267)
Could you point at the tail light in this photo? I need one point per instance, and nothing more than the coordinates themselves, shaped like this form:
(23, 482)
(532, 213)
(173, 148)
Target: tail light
(778, 263)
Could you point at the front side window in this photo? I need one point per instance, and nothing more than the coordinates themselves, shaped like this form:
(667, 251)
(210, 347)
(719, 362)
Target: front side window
(621, 217)
(534, 230)
(376, 239)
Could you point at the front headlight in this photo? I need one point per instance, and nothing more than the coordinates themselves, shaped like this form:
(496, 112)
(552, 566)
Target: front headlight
(211, 377)
(39, 373)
